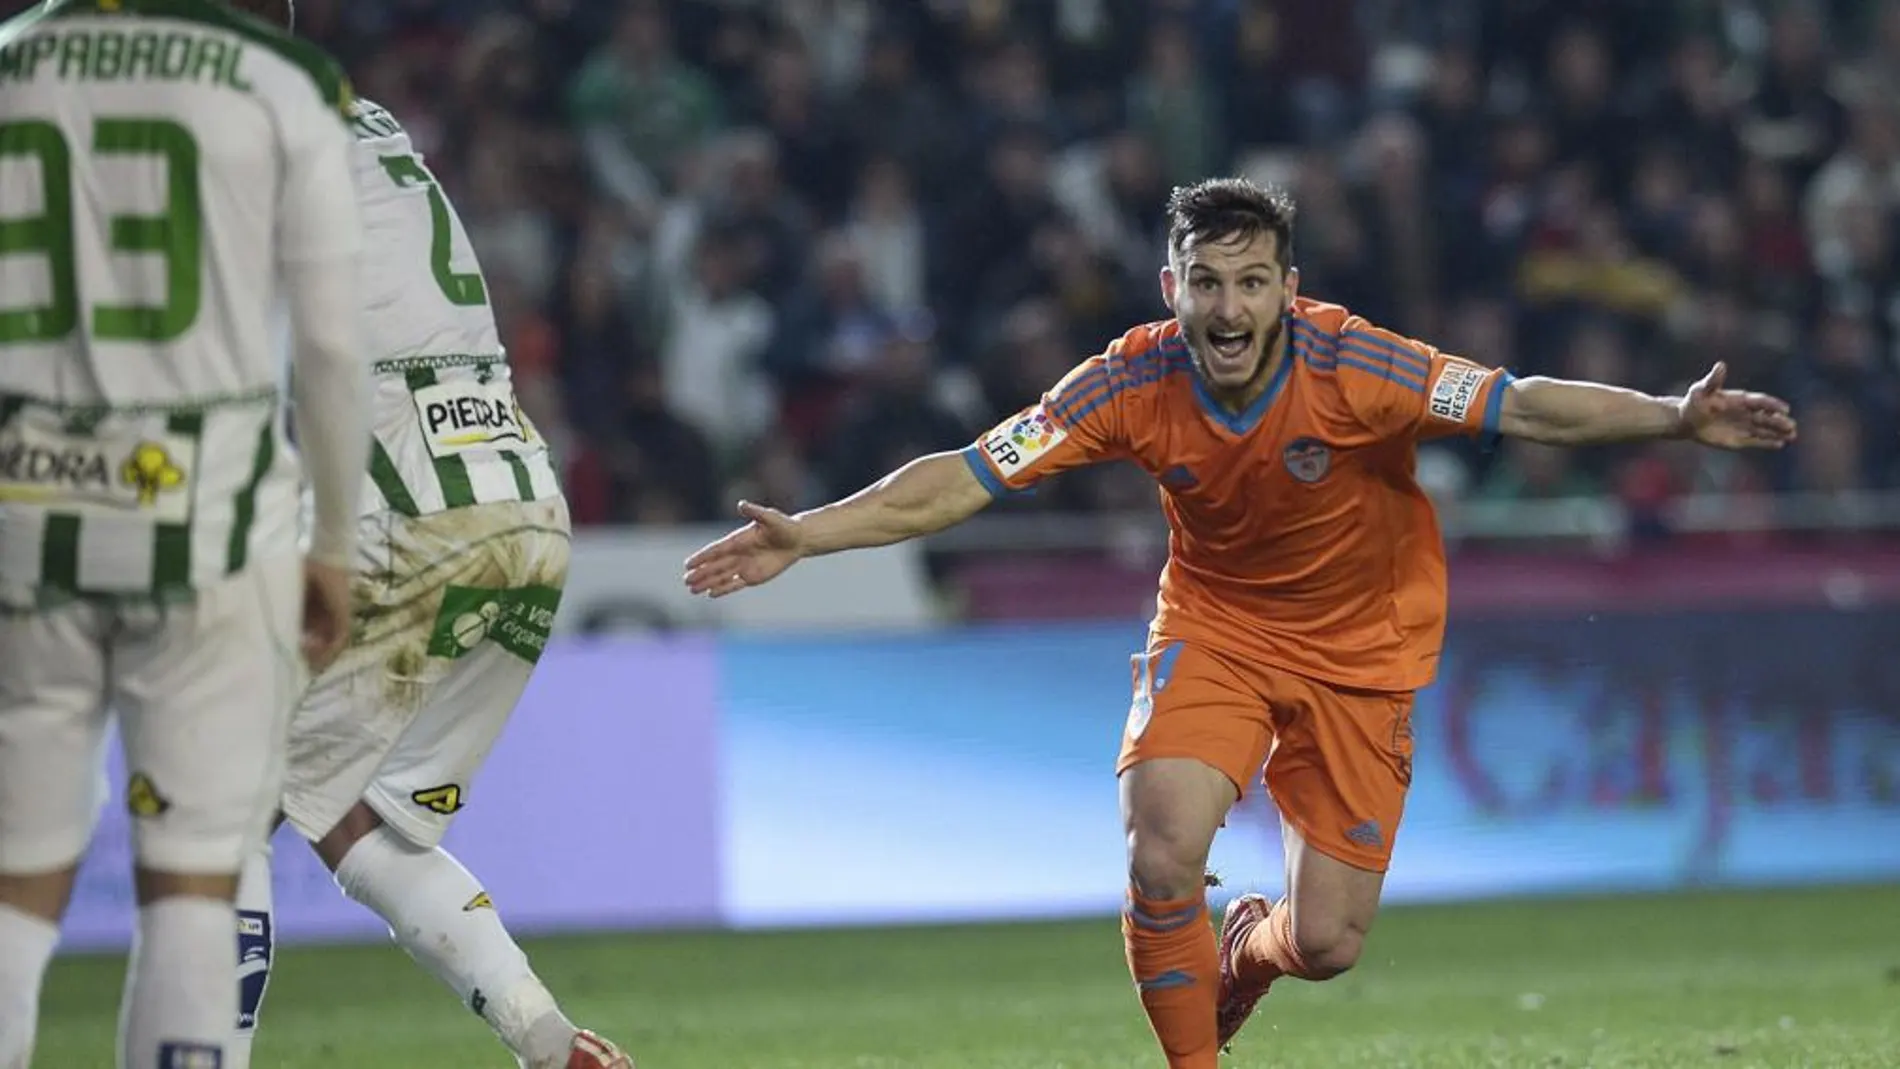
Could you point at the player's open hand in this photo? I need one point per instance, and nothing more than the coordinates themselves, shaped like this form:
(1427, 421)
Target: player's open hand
(751, 555)
(1735, 419)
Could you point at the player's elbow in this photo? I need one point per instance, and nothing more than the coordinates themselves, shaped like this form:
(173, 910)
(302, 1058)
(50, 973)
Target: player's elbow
(932, 493)
(323, 320)
(1537, 429)
(1530, 411)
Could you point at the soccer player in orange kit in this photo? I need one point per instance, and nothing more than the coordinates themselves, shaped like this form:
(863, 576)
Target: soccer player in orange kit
(1303, 602)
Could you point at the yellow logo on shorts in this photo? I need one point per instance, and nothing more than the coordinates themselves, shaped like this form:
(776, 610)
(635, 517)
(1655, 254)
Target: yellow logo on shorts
(480, 901)
(142, 798)
(445, 799)
(150, 471)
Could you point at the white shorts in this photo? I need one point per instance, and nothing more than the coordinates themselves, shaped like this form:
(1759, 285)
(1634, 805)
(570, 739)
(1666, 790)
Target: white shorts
(453, 610)
(203, 693)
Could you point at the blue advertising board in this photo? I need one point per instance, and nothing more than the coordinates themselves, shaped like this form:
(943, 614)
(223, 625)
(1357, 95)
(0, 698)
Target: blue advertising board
(969, 774)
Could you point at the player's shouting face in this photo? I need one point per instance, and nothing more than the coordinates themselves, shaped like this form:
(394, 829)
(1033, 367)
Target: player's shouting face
(1230, 283)
(1231, 296)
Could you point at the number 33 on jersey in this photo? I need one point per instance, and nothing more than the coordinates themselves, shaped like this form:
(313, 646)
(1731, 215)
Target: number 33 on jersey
(160, 165)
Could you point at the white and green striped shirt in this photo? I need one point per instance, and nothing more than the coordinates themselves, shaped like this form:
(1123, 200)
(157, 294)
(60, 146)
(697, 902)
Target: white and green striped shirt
(448, 430)
(156, 165)
(449, 434)
(139, 503)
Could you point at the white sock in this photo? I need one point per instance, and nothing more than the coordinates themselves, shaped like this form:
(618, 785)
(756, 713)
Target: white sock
(179, 999)
(26, 945)
(256, 947)
(439, 914)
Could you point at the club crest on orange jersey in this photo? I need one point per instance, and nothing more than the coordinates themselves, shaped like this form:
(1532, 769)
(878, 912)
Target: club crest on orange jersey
(1308, 459)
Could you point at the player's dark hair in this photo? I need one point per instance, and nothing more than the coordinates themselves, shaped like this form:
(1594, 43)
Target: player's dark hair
(1224, 209)
(276, 12)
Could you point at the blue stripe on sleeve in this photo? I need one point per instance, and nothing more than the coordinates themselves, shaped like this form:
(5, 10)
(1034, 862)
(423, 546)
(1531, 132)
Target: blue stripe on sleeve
(973, 456)
(1089, 389)
(1494, 412)
(1384, 371)
(1398, 354)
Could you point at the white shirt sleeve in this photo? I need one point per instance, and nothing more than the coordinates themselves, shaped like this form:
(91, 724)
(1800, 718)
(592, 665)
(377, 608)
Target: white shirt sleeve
(317, 215)
(319, 242)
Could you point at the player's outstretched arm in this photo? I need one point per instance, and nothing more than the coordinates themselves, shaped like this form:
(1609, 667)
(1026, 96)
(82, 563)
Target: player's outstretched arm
(924, 496)
(1560, 412)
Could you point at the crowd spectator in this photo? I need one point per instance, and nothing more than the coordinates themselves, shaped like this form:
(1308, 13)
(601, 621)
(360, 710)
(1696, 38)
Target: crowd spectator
(786, 244)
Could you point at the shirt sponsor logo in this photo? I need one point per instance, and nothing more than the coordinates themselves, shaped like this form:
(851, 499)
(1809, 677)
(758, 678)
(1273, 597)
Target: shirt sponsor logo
(95, 472)
(461, 416)
(518, 619)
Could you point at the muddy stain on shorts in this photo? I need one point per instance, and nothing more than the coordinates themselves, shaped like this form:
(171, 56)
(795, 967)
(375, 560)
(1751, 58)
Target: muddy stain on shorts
(501, 547)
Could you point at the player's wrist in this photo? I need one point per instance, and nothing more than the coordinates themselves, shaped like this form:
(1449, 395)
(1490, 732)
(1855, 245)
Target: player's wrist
(806, 540)
(332, 548)
(1676, 413)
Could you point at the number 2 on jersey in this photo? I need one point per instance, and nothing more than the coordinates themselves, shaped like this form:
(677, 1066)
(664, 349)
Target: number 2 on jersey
(177, 235)
(460, 289)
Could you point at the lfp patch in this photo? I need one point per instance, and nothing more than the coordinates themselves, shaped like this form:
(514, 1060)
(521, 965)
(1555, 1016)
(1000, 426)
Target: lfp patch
(1308, 459)
(1016, 445)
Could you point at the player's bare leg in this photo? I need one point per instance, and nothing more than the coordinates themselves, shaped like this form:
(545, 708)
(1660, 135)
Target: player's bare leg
(440, 915)
(1171, 809)
(1315, 933)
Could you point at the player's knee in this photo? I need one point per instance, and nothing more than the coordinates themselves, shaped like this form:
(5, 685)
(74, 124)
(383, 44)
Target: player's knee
(1166, 865)
(194, 849)
(40, 894)
(336, 844)
(1327, 947)
(151, 884)
(1171, 809)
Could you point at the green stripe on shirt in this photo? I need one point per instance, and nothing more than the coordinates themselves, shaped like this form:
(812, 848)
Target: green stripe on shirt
(244, 514)
(452, 470)
(382, 472)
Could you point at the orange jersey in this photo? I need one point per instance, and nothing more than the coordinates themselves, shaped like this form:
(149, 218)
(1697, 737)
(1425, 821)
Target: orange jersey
(1298, 534)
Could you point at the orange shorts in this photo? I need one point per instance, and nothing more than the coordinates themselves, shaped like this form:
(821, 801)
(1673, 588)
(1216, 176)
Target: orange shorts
(1338, 761)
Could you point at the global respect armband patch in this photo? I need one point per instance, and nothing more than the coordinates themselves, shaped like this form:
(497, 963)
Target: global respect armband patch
(1454, 390)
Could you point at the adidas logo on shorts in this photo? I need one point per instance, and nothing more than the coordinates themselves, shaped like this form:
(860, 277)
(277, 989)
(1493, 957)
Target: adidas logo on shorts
(1366, 834)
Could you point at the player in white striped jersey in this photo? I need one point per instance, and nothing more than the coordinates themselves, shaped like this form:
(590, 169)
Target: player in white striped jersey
(464, 551)
(169, 170)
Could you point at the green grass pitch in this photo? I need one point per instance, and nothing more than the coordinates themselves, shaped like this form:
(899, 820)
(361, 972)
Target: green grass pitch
(1807, 979)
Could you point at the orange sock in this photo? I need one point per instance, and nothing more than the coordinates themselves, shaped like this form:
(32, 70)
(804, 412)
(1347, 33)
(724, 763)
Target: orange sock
(1268, 952)
(1173, 956)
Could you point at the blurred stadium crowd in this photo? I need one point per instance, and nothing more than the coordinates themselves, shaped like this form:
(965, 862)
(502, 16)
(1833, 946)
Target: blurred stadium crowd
(776, 247)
